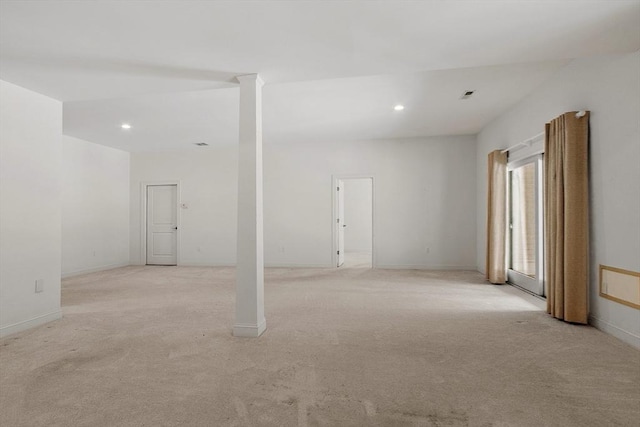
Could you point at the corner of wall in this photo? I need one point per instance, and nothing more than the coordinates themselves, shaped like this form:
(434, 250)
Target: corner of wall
(30, 170)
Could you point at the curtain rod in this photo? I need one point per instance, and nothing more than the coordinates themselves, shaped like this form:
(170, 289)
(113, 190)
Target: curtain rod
(526, 142)
(531, 140)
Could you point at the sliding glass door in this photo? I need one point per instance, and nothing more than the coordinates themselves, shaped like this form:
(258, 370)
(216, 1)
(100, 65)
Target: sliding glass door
(525, 246)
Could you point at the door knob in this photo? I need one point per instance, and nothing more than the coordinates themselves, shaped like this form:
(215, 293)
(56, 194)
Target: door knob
(175, 228)
(344, 225)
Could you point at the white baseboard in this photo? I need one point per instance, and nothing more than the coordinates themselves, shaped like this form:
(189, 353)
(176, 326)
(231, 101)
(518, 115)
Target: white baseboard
(382, 266)
(427, 267)
(617, 332)
(93, 269)
(249, 331)
(30, 323)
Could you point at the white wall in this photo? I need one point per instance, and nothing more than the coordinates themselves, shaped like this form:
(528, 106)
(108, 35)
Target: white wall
(95, 207)
(358, 212)
(30, 159)
(610, 88)
(208, 183)
(424, 192)
(424, 210)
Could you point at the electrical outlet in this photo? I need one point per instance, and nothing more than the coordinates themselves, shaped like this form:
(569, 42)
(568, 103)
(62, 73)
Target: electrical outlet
(39, 285)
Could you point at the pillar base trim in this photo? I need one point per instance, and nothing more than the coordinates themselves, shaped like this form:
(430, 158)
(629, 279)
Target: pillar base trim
(250, 331)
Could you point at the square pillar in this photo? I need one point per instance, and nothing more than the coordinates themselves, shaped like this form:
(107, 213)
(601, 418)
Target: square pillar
(250, 321)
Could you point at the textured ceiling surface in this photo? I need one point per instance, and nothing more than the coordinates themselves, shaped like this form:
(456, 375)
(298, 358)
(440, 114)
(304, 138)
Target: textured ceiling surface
(333, 70)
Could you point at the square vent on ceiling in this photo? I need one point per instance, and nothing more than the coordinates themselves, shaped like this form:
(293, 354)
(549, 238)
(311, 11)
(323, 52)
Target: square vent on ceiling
(201, 144)
(467, 94)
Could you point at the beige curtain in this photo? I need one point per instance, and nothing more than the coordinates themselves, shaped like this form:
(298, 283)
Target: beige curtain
(496, 271)
(566, 206)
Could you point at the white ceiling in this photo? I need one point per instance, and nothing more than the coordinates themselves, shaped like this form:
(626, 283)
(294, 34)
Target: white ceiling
(333, 70)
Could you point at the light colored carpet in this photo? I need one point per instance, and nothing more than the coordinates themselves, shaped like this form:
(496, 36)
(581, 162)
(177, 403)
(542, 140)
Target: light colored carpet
(357, 260)
(152, 346)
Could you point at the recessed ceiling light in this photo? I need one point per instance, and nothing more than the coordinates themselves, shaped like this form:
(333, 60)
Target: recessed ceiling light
(125, 126)
(399, 107)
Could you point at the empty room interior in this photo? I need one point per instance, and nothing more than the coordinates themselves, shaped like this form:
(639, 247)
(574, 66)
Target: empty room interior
(320, 213)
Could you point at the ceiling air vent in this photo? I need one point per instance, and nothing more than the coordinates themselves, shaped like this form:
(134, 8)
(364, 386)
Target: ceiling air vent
(201, 144)
(467, 94)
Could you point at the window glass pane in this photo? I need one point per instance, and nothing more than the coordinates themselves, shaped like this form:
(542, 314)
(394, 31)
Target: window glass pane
(523, 219)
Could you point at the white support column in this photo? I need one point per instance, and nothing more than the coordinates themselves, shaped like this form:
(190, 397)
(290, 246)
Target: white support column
(250, 321)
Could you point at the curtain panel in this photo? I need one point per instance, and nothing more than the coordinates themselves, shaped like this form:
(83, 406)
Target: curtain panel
(566, 206)
(496, 271)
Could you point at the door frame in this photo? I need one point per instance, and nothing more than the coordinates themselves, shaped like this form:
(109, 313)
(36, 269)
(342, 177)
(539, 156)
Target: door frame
(334, 215)
(143, 217)
(534, 285)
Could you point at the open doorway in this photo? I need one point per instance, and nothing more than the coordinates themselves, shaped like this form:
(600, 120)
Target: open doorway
(354, 222)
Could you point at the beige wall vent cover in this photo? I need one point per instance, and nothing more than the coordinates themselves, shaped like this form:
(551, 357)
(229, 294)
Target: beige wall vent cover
(620, 285)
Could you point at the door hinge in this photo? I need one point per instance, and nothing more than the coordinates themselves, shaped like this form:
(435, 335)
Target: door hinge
(338, 252)
(337, 188)
(338, 220)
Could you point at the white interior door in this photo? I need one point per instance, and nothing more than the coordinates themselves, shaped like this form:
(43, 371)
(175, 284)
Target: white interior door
(162, 225)
(340, 222)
